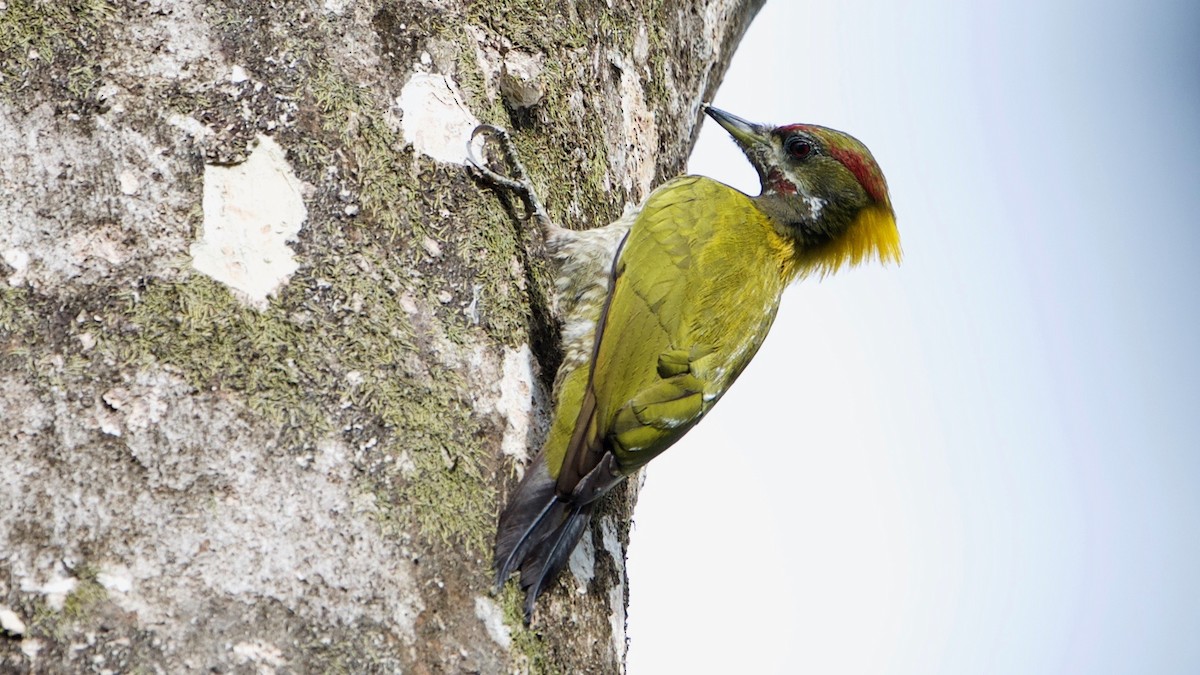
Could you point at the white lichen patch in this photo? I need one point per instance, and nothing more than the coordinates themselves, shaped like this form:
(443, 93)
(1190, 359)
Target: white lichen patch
(305, 537)
(582, 562)
(516, 401)
(634, 158)
(616, 594)
(492, 617)
(265, 655)
(719, 19)
(612, 543)
(140, 405)
(128, 212)
(435, 121)
(115, 579)
(196, 131)
(13, 625)
(31, 647)
(251, 211)
(238, 74)
(18, 260)
(55, 589)
(129, 182)
(616, 619)
(716, 17)
(172, 42)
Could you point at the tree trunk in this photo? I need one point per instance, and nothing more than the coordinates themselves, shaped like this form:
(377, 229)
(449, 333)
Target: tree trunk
(270, 360)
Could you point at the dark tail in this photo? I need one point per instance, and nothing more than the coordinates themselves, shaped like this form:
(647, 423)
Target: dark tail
(532, 513)
(539, 530)
(552, 553)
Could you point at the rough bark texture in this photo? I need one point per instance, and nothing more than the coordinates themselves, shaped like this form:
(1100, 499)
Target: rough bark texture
(221, 452)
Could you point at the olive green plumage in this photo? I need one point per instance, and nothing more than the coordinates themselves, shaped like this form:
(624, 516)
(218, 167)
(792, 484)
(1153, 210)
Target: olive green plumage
(663, 309)
(681, 322)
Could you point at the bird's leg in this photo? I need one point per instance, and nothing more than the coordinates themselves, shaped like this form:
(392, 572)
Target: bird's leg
(545, 341)
(519, 183)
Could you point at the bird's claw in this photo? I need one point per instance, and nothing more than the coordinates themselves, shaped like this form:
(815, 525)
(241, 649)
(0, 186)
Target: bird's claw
(519, 183)
(480, 165)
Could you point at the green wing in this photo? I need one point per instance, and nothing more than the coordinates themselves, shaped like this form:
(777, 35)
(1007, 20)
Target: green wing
(677, 328)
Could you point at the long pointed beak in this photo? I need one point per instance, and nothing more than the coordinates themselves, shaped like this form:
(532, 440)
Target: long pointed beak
(747, 134)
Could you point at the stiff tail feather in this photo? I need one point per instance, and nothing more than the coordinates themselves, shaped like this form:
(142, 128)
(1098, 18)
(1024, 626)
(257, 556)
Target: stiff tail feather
(539, 529)
(532, 513)
(552, 553)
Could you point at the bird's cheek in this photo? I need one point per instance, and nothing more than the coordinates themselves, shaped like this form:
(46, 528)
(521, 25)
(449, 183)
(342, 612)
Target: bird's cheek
(778, 182)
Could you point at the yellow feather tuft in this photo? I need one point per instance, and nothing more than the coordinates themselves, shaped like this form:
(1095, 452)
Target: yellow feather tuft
(872, 235)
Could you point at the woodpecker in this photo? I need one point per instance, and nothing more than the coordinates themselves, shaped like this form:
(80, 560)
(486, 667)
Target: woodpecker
(664, 308)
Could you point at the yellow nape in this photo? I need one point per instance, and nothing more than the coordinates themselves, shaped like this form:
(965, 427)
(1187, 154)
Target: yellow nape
(872, 235)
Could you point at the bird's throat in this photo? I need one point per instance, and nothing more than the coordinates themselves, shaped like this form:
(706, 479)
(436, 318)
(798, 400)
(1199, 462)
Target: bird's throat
(871, 235)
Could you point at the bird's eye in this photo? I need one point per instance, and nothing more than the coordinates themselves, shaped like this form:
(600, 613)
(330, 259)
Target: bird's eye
(798, 147)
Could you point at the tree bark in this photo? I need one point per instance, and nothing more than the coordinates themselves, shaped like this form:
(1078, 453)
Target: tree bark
(270, 360)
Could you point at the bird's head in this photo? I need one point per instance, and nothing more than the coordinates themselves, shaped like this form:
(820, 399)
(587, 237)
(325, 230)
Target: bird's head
(823, 190)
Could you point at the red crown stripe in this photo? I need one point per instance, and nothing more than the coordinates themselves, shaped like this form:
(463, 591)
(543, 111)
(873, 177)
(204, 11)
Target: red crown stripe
(856, 161)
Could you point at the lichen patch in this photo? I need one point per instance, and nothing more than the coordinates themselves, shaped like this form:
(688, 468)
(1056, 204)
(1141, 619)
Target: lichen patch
(173, 43)
(313, 546)
(251, 211)
(516, 401)
(18, 260)
(582, 562)
(636, 159)
(435, 120)
(521, 79)
(128, 214)
(55, 589)
(264, 655)
(616, 594)
(492, 617)
(13, 625)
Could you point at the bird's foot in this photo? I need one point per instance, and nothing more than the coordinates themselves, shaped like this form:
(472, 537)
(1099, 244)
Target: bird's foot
(519, 183)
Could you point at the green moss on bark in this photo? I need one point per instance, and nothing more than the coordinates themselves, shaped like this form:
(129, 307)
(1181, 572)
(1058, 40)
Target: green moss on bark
(59, 39)
(336, 353)
(526, 643)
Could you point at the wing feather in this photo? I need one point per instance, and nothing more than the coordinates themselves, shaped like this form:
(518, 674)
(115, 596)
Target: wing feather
(674, 328)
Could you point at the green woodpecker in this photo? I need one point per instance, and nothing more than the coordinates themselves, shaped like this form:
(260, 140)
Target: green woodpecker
(664, 308)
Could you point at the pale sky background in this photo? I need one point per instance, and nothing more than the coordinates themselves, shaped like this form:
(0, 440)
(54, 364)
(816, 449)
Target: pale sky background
(986, 460)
